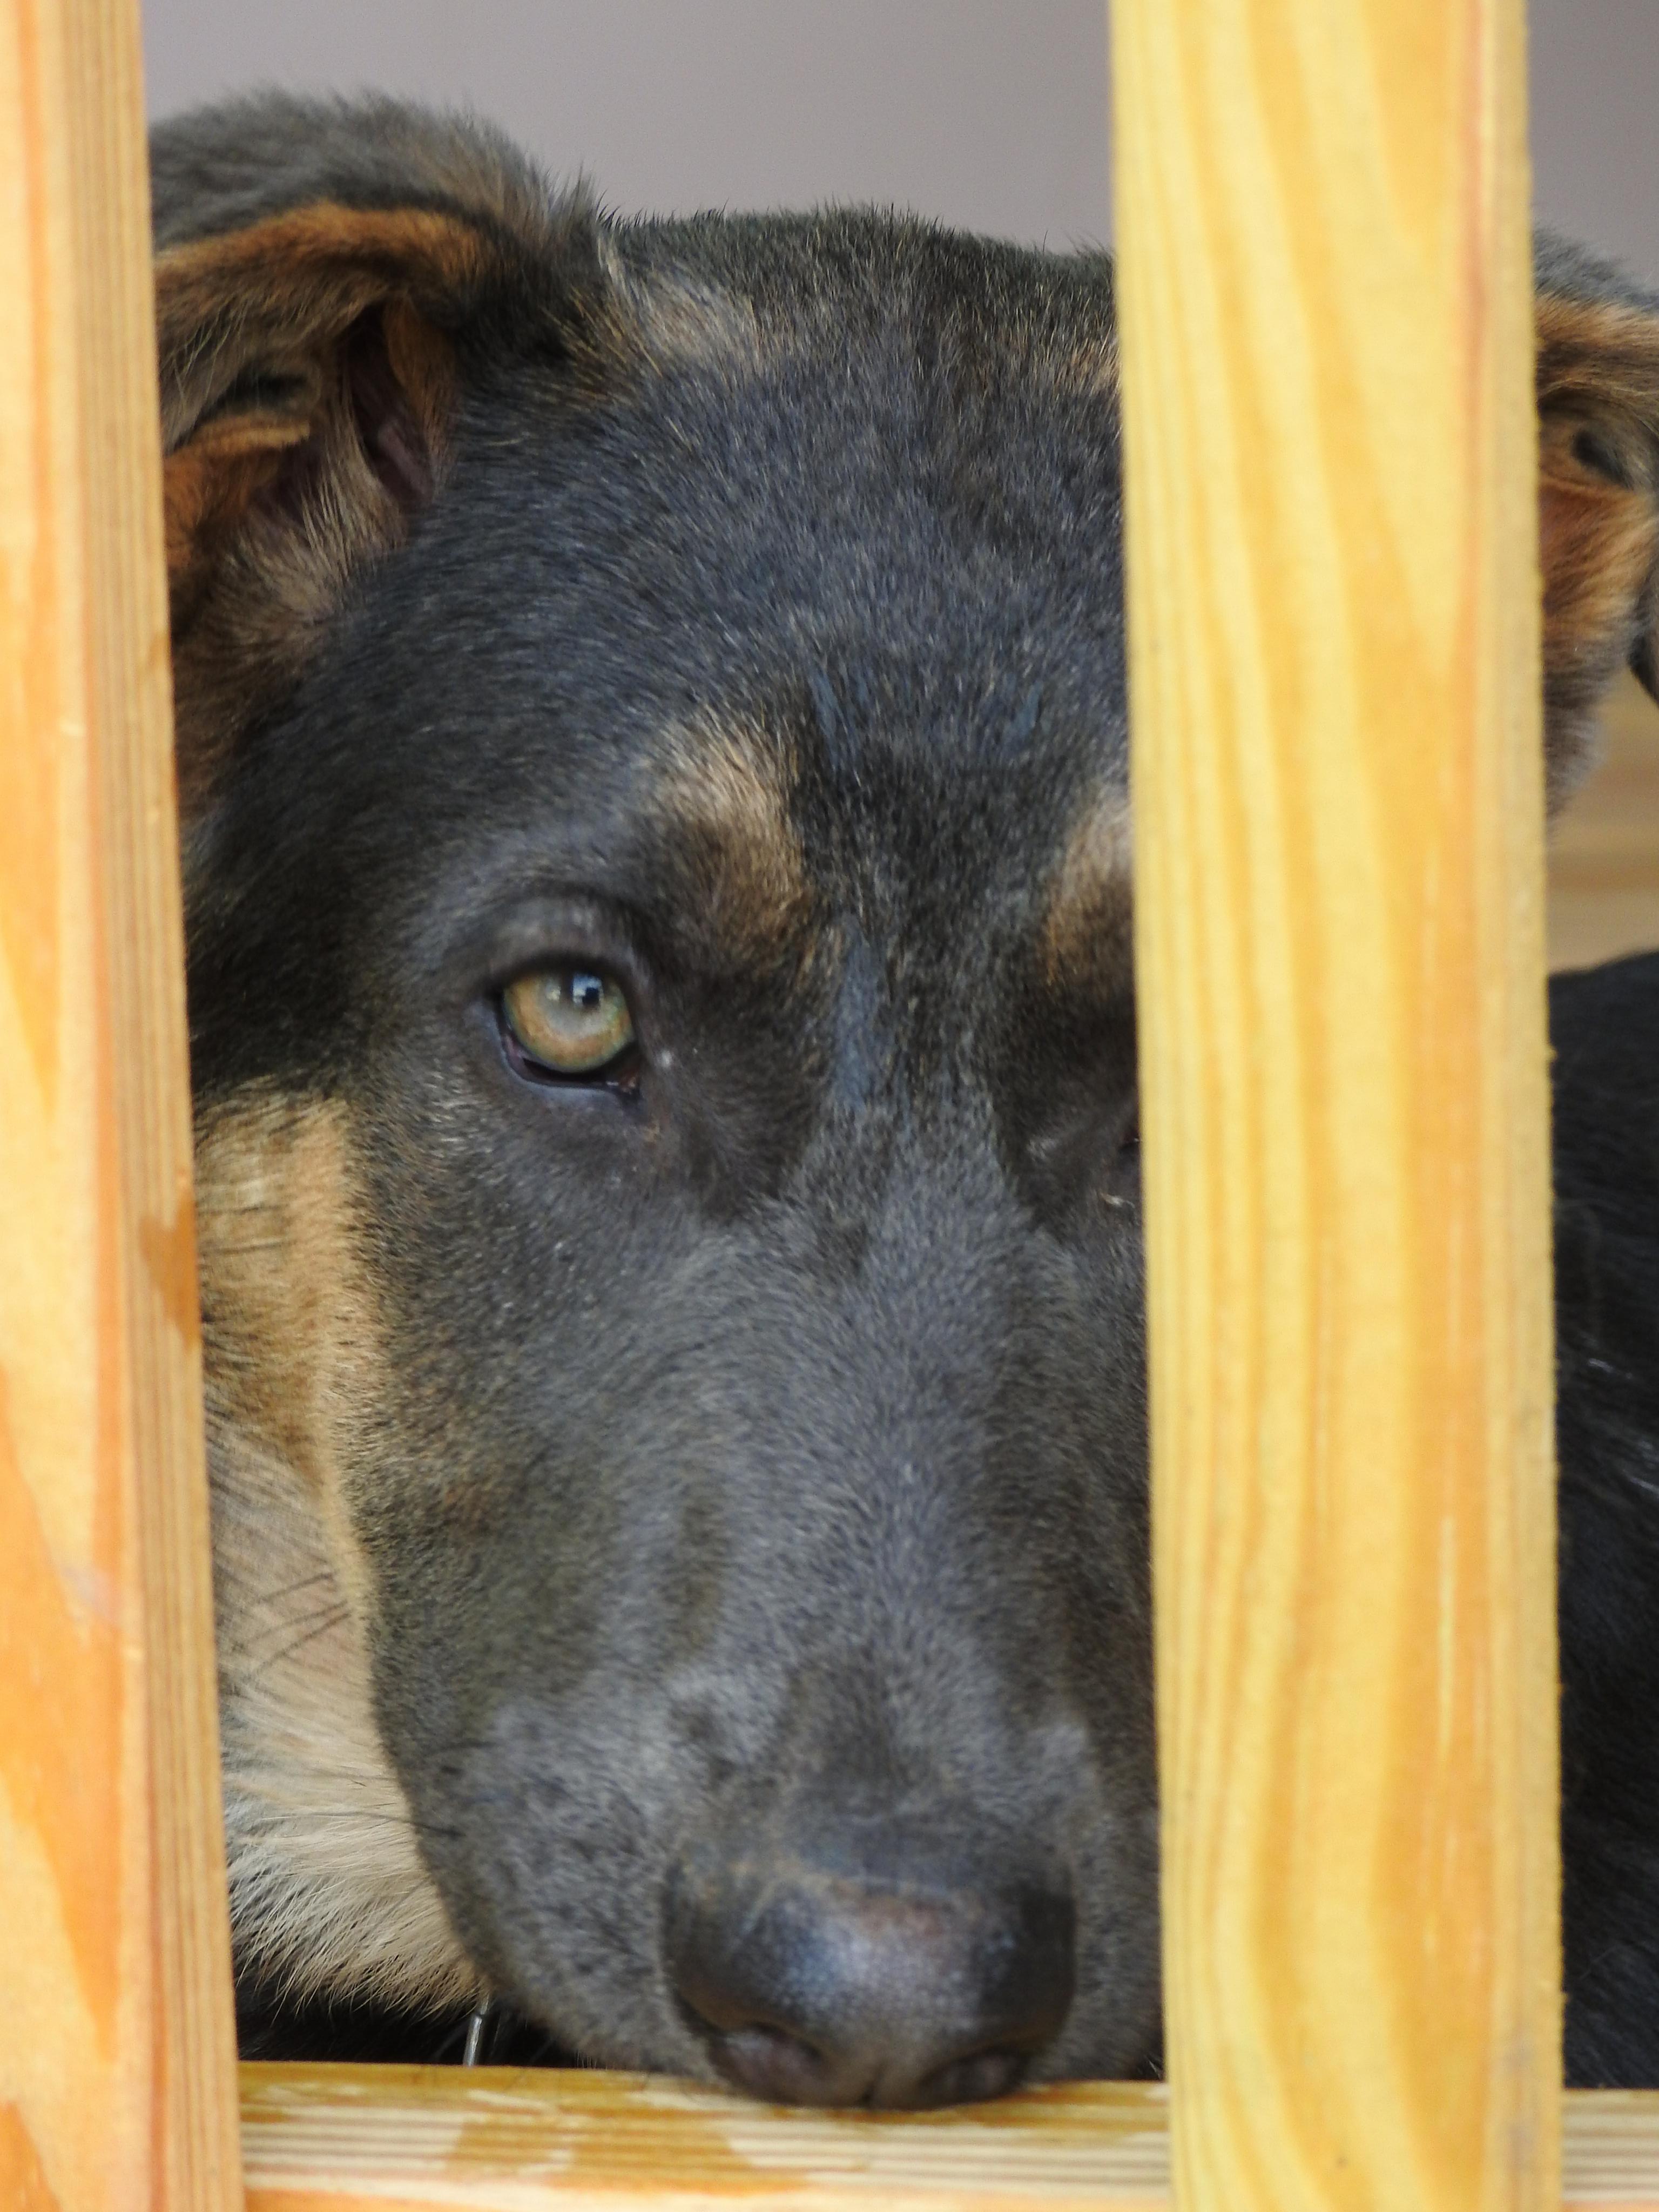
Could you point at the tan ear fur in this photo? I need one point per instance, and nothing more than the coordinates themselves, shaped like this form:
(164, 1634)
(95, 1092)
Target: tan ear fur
(255, 294)
(307, 392)
(1598, 512)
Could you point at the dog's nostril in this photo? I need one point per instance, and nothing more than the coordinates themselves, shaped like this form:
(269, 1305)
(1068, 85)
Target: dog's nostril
(969, 2081)
(823, 1989)
(779, 2069)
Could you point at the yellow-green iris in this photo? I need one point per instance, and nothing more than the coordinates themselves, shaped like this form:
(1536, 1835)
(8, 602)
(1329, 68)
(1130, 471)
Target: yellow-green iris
(570, 1019)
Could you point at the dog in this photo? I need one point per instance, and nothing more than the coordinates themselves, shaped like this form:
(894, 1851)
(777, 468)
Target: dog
(651, 761)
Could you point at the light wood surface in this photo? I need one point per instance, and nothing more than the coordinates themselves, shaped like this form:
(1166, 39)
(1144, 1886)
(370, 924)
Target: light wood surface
(1327, 358)
(331, 2139)
(336, 2137)
(117, 2061)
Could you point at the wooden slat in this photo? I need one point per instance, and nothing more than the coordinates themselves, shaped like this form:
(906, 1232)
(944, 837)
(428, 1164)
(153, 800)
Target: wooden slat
(1326, 350)
(117, 2060)
(335, 2139)
(323, 2139)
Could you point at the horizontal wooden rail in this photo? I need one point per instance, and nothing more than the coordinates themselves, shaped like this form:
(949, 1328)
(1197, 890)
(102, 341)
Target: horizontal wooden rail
(369, 2138)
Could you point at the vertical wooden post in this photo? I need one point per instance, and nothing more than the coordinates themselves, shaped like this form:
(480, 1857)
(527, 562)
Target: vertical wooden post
(1327, 358)
(116, 2053)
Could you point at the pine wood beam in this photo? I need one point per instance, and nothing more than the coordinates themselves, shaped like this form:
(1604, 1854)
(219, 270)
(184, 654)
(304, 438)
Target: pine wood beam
(117, 2086)
(1326, 367)
(369, 2138)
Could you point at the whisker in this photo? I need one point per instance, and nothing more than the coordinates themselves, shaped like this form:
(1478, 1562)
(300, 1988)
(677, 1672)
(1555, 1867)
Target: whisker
(334, 1619)
(287, 1590)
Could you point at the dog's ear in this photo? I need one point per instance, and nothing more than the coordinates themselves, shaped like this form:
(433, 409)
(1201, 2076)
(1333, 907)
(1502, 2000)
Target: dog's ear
(1598, 494)
(311, 361)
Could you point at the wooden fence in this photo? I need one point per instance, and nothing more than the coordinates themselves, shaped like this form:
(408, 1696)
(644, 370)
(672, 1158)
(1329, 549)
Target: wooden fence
(1327, 373)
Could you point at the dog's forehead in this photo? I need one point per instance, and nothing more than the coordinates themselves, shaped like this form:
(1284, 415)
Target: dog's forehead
(894, 476)
(881, 549)
(769, 831)
(827, 591)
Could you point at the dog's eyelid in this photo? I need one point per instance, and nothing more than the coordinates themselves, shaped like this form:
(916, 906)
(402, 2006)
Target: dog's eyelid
(578, 929)
(611, 963)
(652, 956)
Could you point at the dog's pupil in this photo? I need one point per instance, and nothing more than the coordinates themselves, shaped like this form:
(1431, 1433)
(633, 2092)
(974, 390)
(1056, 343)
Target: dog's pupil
(586, 992)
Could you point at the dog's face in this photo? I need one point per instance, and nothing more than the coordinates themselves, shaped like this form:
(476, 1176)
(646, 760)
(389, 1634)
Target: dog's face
(653, 742)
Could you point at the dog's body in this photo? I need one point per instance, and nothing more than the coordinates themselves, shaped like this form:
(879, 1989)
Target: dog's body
(652, 751)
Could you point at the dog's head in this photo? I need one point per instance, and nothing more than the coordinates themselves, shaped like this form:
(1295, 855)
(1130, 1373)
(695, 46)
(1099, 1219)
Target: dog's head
(652, 739)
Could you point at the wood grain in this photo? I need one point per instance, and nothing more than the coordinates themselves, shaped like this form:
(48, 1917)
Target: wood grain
(333, 2139)
(1326, 350)
(116, 2059)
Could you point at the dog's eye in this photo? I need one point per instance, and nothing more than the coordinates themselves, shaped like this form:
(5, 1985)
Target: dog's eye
(568, 1021)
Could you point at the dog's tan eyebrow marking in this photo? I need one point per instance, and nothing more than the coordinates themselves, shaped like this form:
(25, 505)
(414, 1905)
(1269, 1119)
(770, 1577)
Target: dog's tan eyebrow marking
(1086, 935)
(674, 319)
(1091, 368)
(724, 802)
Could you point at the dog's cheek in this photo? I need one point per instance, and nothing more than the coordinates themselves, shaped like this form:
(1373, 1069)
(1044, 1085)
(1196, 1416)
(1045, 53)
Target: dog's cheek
(292, 1326)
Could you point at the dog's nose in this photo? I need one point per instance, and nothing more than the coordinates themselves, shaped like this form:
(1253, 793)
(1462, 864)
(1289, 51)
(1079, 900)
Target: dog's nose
(815, 1987)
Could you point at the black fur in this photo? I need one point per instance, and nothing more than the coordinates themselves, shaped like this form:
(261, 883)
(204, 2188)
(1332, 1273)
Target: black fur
(761, 1450)
(1605, 1025)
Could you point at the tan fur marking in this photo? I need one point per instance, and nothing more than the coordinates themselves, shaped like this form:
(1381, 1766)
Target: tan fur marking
(328, 1887)
(675, 322)
(209, 487)
(1597, 358)
(274, 291)
(253, 594)
(263, 312)
(1598, 372)
(1086, 930)
(251, 589)
(727, 796)
(1091, 370)
(424, 361)
(1596, 546)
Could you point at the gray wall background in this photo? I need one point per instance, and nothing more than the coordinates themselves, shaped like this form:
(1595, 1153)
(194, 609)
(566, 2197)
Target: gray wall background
(987, 113)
